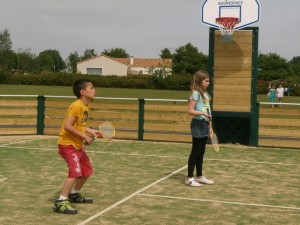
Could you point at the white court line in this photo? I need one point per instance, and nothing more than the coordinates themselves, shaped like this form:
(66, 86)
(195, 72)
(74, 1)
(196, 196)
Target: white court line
(3, 179)
(222, 202)
(185, 157)
(22, 141)
(129, 197)
(137, 154)
(161, 156)
(32, 148)
(254, 162)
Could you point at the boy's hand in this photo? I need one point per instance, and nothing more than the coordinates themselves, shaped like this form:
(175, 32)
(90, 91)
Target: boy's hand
(94, 133)
(88, 140)
(97, 133)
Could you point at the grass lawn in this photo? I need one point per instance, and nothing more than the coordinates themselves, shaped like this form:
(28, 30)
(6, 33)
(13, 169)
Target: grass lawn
(142, 183)
(101, 92)
(112, 92)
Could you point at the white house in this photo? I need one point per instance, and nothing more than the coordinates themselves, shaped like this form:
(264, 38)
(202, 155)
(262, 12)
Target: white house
(104, 66)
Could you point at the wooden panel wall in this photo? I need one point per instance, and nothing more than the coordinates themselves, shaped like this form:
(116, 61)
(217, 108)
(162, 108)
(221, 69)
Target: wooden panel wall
(279, 127)
(162, 122)
(233, 72)
(167, 122)
(18, 116)
(55, 111)
(123, 115)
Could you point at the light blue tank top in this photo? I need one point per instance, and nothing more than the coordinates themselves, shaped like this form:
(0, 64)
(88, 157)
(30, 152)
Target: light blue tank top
(201, 106)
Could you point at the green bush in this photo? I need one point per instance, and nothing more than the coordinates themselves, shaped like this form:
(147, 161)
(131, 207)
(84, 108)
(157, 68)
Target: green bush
(262, 87)
(173, 82)
(295, 91)
(3, 77)
(179, 82)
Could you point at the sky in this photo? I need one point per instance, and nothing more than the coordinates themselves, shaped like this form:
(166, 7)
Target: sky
(142, 27)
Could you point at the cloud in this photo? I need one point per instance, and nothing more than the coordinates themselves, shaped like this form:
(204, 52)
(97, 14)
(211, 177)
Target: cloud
(141, 27)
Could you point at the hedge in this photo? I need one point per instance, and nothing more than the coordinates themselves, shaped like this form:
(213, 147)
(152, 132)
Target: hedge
(174, 82)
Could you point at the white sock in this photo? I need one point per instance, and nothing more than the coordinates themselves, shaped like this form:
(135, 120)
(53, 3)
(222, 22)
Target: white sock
(74, 191)
(61, 197)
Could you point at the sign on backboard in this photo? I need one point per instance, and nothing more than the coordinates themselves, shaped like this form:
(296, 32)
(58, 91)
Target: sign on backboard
(247, 11)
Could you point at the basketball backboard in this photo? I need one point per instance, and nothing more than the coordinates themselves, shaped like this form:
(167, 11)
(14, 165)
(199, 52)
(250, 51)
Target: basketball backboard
(247, 11)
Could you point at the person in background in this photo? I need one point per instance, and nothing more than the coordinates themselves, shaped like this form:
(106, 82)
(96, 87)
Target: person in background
(287, 91)
(280, 93)
(272, 95)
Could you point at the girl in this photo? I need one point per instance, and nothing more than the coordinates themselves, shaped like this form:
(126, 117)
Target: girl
(200, 129)
(272, 95)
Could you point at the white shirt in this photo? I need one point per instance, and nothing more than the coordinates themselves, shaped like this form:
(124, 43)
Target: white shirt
(280, 92)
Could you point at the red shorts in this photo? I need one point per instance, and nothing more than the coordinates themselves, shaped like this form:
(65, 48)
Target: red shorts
(77, 160)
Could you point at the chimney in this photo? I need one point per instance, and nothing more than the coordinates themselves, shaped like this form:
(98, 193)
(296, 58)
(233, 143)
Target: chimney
(131, 60)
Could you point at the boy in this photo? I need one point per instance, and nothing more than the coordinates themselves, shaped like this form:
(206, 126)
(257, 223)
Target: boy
(71, 148)
(280, 93)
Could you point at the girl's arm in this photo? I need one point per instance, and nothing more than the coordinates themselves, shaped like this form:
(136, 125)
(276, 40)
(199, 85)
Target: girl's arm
(192, 112)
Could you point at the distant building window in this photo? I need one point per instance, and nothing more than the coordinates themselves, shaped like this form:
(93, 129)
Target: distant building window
(140, 72)
(94, 71)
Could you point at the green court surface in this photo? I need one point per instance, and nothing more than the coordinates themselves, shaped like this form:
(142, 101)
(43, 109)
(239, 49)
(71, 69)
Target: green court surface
(143, 183)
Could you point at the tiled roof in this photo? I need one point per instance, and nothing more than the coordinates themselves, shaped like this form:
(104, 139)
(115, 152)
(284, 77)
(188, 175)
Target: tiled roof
(138, 62)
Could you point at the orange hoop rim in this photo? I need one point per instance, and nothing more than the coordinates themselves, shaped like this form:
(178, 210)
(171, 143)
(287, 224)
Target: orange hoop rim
(226, 26)
(228, 22)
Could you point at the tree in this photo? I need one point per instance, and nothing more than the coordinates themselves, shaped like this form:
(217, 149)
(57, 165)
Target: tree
(295, 60)
(187, 60)
(72, 61)
(88, 53)
(272, 67)
(116, 53)
(50, 60)
(164, 70)
(26, 61)
(166, 54)
(295, 64)
(5, 41)
(8, 59)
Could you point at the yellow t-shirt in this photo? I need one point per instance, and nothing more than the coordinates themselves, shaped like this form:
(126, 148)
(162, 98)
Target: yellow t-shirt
(79, 110)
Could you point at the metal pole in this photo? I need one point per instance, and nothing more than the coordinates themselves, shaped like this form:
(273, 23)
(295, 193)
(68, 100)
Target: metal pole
(40, 115)
(141, 119)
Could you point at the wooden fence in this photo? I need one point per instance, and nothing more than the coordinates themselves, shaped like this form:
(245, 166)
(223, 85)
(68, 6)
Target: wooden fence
(18, 114)
(122, 112)
(279, 126)
(137, 119)
(163, 120)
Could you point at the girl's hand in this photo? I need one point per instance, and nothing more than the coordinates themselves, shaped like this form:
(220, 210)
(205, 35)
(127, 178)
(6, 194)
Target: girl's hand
(207, 116)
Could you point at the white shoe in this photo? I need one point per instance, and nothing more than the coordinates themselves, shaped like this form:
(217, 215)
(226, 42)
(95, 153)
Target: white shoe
(192, 182)
(204, 180)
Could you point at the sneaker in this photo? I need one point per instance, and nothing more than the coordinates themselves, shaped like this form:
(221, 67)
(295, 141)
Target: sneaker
(204, 180)
(79, 198)
(63, 206)
(192, 182)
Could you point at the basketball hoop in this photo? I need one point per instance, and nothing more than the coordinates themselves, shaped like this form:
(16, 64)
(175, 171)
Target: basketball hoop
(226, 26)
